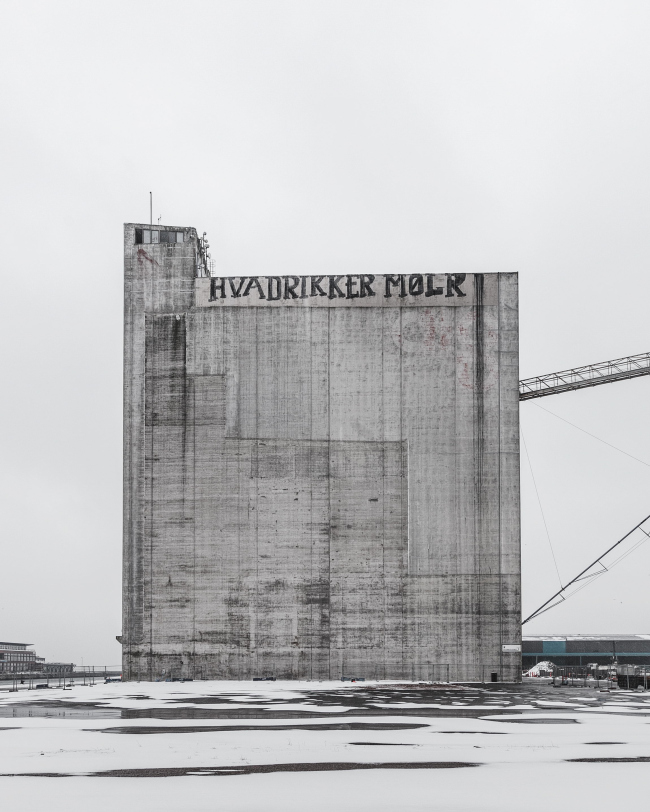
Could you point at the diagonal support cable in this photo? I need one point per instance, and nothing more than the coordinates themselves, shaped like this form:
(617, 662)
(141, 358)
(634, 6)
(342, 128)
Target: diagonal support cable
(582, 576)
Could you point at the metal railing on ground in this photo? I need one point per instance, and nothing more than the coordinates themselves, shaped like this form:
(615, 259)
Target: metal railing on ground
(625, 676)
(66, 678)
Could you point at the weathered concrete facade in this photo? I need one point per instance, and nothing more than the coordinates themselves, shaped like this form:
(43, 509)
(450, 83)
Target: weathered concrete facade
(318, 484)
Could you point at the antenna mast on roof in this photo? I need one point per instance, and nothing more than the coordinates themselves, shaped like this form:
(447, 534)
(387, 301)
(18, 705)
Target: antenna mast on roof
(150, 209)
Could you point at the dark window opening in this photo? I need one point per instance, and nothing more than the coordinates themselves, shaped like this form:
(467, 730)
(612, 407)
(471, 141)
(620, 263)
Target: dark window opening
(149, 236)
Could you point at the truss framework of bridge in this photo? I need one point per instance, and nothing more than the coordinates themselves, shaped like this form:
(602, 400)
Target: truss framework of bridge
(568, 380)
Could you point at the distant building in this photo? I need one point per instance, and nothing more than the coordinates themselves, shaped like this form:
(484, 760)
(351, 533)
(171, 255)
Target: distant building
(581, 649)
(16, 658)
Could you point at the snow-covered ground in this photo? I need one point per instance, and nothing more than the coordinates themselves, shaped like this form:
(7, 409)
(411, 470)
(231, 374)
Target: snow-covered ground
(321, 746)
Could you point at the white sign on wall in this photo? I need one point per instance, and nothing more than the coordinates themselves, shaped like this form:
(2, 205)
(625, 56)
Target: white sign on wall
(511, 647)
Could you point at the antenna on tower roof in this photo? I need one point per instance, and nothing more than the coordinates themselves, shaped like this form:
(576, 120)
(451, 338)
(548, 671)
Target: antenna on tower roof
(150, 209)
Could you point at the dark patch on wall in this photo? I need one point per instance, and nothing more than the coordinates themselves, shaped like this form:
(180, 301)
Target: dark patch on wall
(317, 594)
(167, 399)
(479, 402)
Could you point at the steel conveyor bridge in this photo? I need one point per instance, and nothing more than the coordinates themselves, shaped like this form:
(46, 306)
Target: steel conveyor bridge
(620, 369)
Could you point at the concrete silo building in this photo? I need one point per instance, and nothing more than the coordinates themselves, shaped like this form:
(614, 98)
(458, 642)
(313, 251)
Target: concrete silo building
(321, 474)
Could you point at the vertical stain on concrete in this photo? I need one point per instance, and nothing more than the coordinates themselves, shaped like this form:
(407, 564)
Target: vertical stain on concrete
(479, 440)
(479, 400)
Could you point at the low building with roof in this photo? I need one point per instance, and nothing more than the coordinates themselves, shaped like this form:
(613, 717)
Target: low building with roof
(19, 658)
(582, 649)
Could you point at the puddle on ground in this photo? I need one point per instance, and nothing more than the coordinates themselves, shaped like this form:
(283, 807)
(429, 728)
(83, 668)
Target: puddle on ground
(638, 759)
(269, 728)
(262, 713)
(64, 711)
(250, 769)
(384, 744)
(533, 721)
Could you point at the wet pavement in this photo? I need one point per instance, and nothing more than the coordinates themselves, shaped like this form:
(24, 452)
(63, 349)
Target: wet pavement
(373, 701)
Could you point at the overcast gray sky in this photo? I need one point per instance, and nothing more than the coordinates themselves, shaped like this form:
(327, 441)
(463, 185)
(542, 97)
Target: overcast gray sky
(319, 137)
